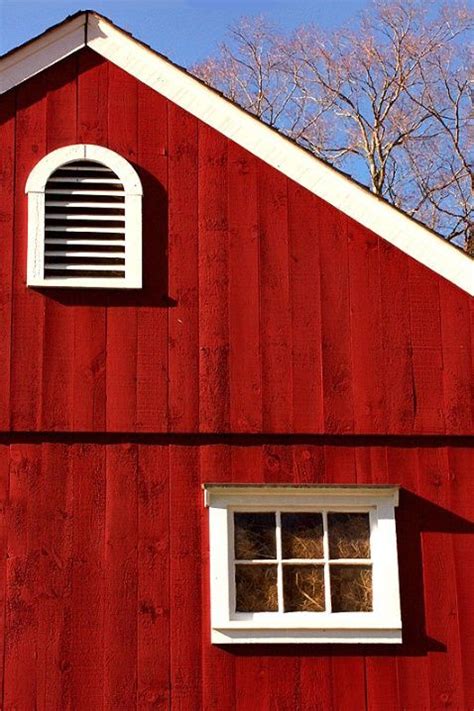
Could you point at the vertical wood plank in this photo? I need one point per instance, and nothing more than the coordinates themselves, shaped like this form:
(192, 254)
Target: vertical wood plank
(457, 359)
(213, 282)
(471, 322)
(4, 506)
(93, 112)
(58, 344)
(309, 464)
(121, 364)
(153, 579)
(445, 667)
(27, 304)
(51, 535)
(121, 578)
(305, 296)
(275, 309)
(152, 317)
(425, 328)
(335, 319)
(460, 460)
(89, 353)
(7, 183)
(218, 668)
(413, 678)
(20, 670)
(316, 684)
(366, 330)
(244, 312)
(185, 578)
(88, 575)
(397, 363)
(183, 355)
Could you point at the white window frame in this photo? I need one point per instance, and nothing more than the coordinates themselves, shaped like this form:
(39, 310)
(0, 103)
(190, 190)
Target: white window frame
(381, 626)
(35, 189)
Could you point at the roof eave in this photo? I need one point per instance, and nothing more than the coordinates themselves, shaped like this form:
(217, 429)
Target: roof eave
(88, 28)
(43, 51)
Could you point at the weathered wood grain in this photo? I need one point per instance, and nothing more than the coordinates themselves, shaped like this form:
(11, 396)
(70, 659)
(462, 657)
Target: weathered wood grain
(301, 344)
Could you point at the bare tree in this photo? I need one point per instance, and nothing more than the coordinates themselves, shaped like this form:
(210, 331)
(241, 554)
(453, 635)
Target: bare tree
(441, 168)
(387, 100)
(253, 70)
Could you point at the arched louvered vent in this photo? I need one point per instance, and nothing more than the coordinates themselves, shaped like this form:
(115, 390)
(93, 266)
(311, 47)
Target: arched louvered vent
(84, 222)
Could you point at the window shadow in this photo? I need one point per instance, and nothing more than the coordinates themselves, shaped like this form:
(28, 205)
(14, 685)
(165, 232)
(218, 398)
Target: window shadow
(415, 515)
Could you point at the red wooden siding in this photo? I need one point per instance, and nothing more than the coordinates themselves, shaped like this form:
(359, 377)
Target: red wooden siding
(264, 309)
(275, 340)
(107, 578)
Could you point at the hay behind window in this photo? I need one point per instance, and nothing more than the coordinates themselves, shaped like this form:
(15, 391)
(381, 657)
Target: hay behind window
(254, 536)
(351, 588)
(256, 588)
(303, 588)
(349, 535)
(302, 535)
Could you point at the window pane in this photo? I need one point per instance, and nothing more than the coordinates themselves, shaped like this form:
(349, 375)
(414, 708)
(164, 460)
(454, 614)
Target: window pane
(351, 588)
(349, 535)
(254, 536)
(256, 588)
(303, 588)
(302, 535)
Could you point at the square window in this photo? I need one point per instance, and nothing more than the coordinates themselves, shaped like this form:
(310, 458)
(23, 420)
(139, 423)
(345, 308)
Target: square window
(303, 563)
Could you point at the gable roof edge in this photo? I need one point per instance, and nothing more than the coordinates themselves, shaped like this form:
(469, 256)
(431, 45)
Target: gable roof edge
(286, 156)
(156, 71)
(50, 47)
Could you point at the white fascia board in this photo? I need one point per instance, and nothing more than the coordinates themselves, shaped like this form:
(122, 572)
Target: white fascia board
(316, 176)
(42, 53)
(193, 96)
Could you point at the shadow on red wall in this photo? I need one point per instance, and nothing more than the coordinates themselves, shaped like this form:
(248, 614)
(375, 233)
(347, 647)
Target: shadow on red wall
(415, 516)
(155, 260)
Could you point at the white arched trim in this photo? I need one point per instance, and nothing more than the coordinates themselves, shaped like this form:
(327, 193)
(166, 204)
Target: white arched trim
(35, 189)
(83, 151)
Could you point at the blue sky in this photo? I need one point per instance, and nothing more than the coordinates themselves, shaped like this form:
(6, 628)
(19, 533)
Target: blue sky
(185, 30)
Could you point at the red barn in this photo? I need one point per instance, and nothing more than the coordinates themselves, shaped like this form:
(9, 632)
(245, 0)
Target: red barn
(191, 301)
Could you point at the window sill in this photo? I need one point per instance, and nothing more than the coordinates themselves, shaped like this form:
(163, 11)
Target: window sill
(235, 635)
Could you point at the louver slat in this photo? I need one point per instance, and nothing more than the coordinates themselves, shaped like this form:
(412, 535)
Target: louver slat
(88, 267)
(83, 216)
(69, 253)
(85, 228)
(85, 237)
(68, 203)
(91, 243)
(71, 191)
(78, 168)
(75, 179)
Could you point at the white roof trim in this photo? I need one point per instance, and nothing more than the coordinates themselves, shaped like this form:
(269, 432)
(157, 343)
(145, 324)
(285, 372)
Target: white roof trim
(207, 105)
(35, 56)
